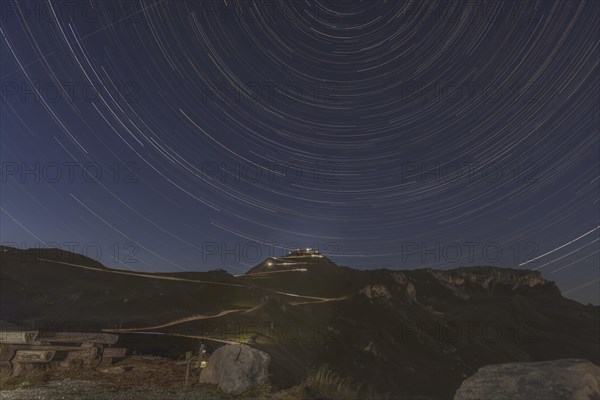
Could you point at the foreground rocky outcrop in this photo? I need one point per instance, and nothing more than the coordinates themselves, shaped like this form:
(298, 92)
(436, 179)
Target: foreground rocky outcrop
(237, 369)
(567, 379)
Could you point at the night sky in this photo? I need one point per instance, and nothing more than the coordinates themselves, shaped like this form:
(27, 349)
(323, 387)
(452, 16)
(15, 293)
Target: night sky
(194, 135)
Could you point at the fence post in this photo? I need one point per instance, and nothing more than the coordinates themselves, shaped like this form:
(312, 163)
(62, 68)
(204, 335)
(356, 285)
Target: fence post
(187, 368)
(200, 353)
(187, 372)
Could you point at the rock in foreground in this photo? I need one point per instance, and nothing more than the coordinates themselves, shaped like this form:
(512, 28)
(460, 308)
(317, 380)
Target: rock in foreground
(236, 369)
(568, 379)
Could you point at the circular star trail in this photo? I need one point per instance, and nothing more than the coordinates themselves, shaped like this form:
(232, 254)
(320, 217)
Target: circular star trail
(193, 135)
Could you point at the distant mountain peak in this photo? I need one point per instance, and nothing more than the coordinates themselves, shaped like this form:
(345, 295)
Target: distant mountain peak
(298, 260)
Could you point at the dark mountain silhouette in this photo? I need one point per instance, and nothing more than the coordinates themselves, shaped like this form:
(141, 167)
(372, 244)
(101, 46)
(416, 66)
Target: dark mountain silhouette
(418, 332)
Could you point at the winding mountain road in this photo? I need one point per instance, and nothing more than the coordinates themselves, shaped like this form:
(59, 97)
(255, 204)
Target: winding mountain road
(312, 299)
(174, 322)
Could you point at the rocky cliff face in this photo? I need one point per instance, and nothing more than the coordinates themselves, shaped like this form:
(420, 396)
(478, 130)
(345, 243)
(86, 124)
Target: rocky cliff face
(462, 282)
(376, 292)
(399, 287)
(489, 277)
(405, 286)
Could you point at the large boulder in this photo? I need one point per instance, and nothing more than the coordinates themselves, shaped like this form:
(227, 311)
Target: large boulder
(236, 369)
(568, 379)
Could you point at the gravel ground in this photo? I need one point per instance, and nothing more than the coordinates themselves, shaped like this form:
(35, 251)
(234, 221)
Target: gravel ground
(133, 378)
(83, 390)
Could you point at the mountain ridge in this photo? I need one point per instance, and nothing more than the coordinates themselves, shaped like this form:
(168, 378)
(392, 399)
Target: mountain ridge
(409, 323)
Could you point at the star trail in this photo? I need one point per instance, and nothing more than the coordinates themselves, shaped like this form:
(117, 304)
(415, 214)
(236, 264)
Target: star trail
(179, 135)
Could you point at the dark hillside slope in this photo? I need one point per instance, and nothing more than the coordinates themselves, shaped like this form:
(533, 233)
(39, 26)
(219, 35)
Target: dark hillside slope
(418, 332)
(58, 290)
